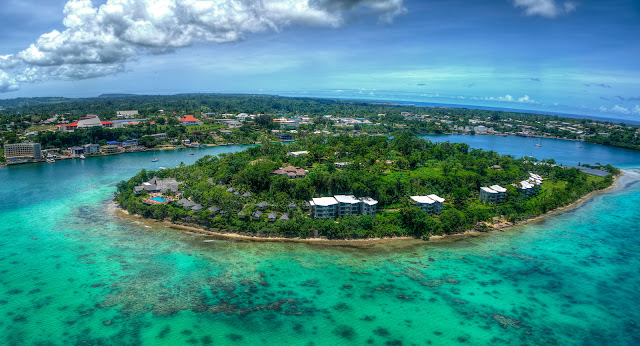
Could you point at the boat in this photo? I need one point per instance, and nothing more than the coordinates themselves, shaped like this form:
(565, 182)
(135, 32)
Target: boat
(163, 168)
(155, 160)
(82, 157)
(192, 154)
(538, 144)
(51, 160)
(580, 146)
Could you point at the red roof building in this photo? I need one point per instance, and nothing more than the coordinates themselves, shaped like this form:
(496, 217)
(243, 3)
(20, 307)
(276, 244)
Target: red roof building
(189, 120)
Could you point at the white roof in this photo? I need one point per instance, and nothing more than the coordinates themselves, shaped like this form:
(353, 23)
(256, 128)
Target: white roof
(351, 199)
(498, 188)
(297, 153)
(436, 198)
(323, 201)
(368, 200)
(488, 189)
(422, 199)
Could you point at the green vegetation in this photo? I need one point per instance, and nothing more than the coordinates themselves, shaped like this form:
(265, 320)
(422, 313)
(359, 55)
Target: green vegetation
(388, 170)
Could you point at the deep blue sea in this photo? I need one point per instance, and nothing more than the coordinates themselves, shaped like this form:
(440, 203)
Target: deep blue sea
(74, 272)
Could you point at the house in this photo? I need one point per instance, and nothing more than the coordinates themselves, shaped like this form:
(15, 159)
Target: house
(246, 194)
(262, 205)
(185, 203)
(86, 122)
(285, 137)
(494, 193)
(197, 207)
(76, 151)
(91, 148)
(214, 210)
(341, 165)
(432, 204)
(160, 185)
(159, 136)
(291, 172)
(256, 216)
(22, 152)
(347, 205)
(284, 217)
(293, 206)
(272, 217)
(109, 149)
(297, 153)
(368, 206)
(323, 208)
(189, 120)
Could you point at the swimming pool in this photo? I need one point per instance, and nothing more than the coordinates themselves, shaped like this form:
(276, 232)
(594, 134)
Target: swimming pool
(159, 199)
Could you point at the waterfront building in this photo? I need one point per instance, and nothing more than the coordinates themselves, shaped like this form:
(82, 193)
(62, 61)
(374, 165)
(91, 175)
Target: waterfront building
(368, 206)
(189, 120)
(494, 193)
(22, 152)
(347, 205)
(109, 149)
(432, 204)
(323, 207)
(285, 137)
(91, 148)
(159, 185)
(342, 205)
(76, 151)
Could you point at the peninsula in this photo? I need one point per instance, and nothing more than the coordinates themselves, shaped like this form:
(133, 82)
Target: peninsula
(356, 187)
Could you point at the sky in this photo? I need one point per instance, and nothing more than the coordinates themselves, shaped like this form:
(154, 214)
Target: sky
(576, 57)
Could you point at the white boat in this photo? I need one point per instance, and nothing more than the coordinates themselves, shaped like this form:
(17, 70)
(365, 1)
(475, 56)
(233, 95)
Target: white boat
(51, 160)
(155, 160)
(82, 157)
(538, 144)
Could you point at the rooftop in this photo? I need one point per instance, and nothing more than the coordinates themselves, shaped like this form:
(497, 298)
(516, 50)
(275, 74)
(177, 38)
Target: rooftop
(422, 199)
(324, 201)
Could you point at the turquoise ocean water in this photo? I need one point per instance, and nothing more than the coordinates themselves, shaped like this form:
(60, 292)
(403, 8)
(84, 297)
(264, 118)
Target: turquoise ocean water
(72, 272)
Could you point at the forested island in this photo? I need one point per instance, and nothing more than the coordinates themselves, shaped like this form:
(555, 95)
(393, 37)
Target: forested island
(250, 192)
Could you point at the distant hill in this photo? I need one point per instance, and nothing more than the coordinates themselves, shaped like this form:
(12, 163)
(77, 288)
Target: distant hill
(116, 95)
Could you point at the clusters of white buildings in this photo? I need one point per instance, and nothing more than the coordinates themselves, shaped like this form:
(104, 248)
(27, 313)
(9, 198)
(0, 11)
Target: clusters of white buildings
(342, 205)
(493, 193)
(530, 186)
(432, 204)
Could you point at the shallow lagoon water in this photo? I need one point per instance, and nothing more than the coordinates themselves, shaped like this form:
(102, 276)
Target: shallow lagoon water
(74, 272)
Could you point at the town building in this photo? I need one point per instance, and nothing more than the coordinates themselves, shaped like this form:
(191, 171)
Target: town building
(126, 114)
(285, 137)
(189, 120)
(84, 123)
(432, 204)
(230, 123)
(22, 152)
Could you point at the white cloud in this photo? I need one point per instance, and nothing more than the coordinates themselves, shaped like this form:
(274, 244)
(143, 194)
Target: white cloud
(545, 8)
(507, 98)
(100, 40)
(7, 83)
(636, 110)
(620, 109)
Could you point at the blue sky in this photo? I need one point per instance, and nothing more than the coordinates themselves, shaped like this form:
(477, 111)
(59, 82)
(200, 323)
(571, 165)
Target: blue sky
(578, 57)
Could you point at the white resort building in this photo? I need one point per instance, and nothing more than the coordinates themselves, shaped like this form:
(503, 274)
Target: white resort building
(494, 193)
(432, 204)
(342, 205)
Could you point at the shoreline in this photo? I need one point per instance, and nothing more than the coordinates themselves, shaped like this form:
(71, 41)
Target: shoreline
(366, 242)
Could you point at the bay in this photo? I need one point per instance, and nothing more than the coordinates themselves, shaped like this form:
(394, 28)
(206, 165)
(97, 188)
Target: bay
(73, 272)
